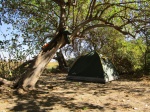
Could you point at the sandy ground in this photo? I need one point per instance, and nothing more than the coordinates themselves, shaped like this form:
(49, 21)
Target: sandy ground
(55, 94)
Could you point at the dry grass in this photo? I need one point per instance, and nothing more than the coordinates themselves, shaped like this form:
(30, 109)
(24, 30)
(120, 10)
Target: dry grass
(52, 65)
(7, 67)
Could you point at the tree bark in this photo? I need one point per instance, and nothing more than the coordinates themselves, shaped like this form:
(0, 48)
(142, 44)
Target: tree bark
(5, 82)
(61, 61)
(30, 77)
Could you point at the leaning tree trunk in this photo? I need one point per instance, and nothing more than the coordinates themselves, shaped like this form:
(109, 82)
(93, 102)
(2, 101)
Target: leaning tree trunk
(31, 75)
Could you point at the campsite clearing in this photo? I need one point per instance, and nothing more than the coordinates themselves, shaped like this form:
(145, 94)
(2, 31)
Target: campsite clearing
(55, 94)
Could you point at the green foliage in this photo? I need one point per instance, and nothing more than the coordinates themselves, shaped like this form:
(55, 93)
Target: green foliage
(133, 51)
(126, 53)
(147, 52)
(148, 62)
(41, 16)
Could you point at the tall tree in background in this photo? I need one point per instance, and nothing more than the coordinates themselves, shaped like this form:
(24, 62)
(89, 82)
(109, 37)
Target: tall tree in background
(146, 37)
(42, 19)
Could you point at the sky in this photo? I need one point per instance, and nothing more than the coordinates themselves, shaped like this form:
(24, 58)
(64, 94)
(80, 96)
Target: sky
(6, 29)
(5, 34)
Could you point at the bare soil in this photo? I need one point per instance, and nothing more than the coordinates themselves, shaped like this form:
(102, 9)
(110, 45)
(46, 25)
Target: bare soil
(55, 94)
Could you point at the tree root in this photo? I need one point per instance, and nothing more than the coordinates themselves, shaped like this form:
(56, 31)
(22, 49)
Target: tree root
(21, 91)
(5, 82)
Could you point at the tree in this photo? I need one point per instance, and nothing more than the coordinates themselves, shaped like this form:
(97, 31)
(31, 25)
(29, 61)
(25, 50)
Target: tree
(42, 19)
(146, 37)
(61, 61)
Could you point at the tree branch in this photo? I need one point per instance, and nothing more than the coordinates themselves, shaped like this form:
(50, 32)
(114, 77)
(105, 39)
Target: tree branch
(5, 82)
(107, 25)
(91, 8)
(104, 24)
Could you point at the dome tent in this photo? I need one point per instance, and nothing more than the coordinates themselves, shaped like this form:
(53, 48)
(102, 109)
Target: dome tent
(93, 68)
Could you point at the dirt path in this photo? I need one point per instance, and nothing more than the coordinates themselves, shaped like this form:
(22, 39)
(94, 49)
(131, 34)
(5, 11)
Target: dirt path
(55, 94)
